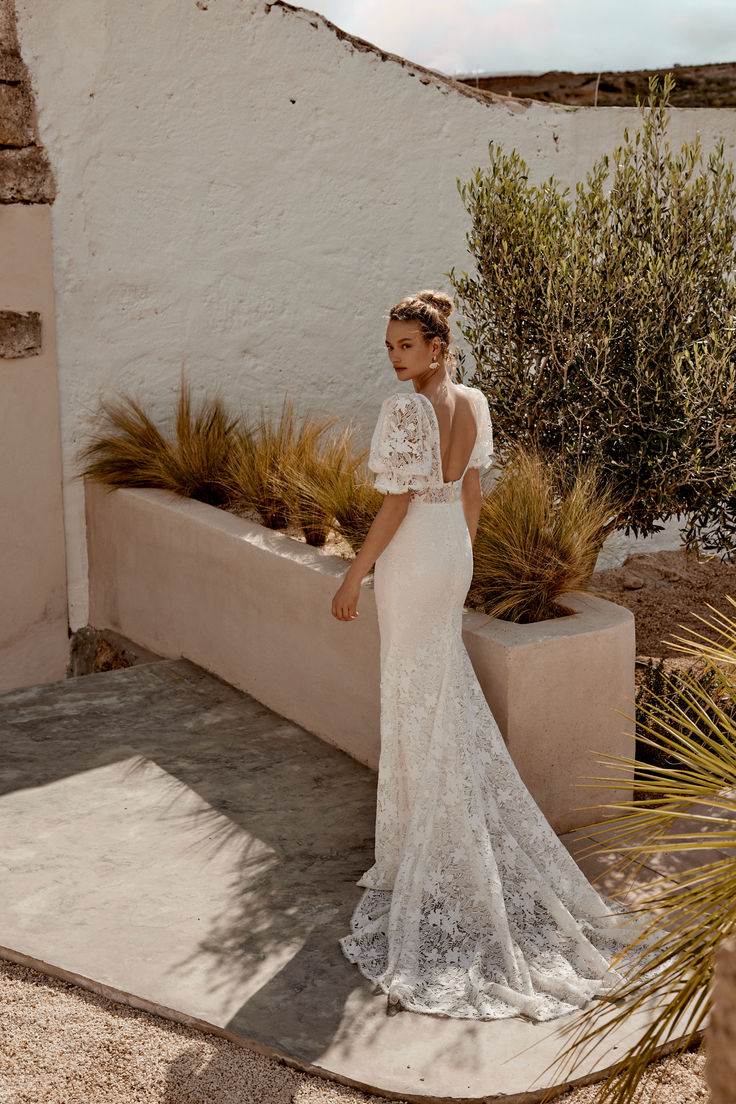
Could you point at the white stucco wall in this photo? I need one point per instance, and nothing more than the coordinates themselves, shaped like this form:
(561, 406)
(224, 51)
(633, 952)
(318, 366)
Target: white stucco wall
(242, 193)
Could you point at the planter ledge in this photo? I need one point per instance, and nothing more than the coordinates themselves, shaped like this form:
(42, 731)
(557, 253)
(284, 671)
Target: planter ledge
(252, 606)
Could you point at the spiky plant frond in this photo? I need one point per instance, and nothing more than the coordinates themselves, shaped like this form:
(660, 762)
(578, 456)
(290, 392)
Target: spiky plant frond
(313, 483)
(129, 450)
(265, 463)
(204, 438)
(656, 686)
(538, 539)
(341, 490)
(690, 807)
(718, 648)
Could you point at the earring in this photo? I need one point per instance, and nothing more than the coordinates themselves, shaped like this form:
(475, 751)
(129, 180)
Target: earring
(434, 366)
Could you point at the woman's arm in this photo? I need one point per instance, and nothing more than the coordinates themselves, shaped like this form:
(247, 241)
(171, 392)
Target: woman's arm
(472, 499)
(385, 523)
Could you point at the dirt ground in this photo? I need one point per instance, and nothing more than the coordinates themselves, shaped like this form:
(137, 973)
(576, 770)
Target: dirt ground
(712, 85)
(667, 592)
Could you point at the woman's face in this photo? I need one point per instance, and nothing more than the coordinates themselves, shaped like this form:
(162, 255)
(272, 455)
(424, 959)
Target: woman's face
(409, 352)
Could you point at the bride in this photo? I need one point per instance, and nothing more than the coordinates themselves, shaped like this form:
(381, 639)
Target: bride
(473, 907)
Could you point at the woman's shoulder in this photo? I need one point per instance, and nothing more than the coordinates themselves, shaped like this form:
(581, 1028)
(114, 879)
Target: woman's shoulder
(402, 399)
(402, 404)
(478, 399)
(473, 393)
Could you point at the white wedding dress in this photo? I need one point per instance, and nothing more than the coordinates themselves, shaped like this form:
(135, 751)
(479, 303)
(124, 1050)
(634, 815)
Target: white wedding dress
(473, 907)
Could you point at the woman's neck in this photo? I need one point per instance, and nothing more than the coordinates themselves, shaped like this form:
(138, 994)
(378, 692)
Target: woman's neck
(433, 385)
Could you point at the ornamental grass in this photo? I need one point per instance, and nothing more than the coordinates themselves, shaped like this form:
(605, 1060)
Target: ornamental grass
(354, 503)
(271, 462)
(320, 486)
(261, 456)
(342, 491)
(289, 470)
(538, 539)
(129, 450)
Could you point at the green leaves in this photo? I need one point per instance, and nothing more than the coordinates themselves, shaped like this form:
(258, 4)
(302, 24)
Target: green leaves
(625, 291)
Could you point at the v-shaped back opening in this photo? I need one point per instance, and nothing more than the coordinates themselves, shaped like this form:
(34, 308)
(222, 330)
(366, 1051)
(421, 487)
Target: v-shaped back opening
(449, 482)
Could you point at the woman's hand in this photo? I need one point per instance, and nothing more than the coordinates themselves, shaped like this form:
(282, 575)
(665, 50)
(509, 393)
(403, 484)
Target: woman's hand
(384, 525)
(345, 602)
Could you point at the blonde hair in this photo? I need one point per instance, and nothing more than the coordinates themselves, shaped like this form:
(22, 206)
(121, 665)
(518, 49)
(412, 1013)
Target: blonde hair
(431, 309)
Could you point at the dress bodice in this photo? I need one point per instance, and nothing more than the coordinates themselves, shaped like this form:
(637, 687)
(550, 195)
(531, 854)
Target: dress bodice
(405, 448)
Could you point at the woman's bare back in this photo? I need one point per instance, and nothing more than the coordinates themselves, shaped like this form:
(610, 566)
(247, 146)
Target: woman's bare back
(457, 429)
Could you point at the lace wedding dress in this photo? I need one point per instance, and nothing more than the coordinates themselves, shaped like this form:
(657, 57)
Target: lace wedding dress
(473, 907)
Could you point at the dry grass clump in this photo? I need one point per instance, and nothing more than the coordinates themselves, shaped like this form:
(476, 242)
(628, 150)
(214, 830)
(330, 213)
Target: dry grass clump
(538, 539)
(342, 491)
(355, 503)
(292, 471)
(322, 484)
(130, 450)
(284, 470)
(258, 471)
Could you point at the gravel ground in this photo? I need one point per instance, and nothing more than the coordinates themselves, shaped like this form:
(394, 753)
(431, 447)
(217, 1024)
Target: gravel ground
(60, 1044)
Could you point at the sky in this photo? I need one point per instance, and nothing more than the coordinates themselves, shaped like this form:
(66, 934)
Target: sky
(527, 36)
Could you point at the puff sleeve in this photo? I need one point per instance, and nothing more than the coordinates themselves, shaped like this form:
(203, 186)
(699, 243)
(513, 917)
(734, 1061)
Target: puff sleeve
(482, 455)
(401, 446)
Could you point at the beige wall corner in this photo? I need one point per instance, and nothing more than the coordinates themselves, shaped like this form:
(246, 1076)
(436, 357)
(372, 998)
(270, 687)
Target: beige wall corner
(33, 621)
(33, 603)
(720, 1040)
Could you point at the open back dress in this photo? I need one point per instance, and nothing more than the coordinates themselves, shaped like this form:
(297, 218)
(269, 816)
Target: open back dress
(473, 907)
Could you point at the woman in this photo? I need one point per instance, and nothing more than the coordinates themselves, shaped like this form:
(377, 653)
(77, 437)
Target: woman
(473, 907)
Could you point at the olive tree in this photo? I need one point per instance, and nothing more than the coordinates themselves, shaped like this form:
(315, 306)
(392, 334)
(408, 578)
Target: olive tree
(602, 322)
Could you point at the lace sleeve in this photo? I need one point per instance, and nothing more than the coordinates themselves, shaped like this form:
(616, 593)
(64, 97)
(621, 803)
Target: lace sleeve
(400, 453)
(482, 454)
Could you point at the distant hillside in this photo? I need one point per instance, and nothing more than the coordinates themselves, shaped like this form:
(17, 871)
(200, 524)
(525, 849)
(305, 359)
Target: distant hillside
(697, 86)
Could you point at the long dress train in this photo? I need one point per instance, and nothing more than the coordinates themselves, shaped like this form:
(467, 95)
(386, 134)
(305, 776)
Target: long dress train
(473, 907)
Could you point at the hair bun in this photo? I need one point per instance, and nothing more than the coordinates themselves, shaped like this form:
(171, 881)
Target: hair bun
(441, 302)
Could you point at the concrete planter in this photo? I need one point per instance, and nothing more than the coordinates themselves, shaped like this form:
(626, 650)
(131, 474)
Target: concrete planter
(253, 606)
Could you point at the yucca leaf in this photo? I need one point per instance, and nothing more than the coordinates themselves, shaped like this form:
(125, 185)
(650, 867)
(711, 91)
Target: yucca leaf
(670, 967)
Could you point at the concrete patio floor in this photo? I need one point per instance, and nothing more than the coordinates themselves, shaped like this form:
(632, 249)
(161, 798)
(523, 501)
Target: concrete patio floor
(172, 844)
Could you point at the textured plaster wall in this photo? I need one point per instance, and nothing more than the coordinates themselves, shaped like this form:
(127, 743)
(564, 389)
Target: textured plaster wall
(34, 644)
(242, 193)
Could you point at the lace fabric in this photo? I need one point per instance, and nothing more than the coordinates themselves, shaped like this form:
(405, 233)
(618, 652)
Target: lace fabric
(473, 907)
(405, 447)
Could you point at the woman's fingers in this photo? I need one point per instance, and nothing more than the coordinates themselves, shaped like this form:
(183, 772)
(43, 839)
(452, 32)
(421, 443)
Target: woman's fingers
(343, 610)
